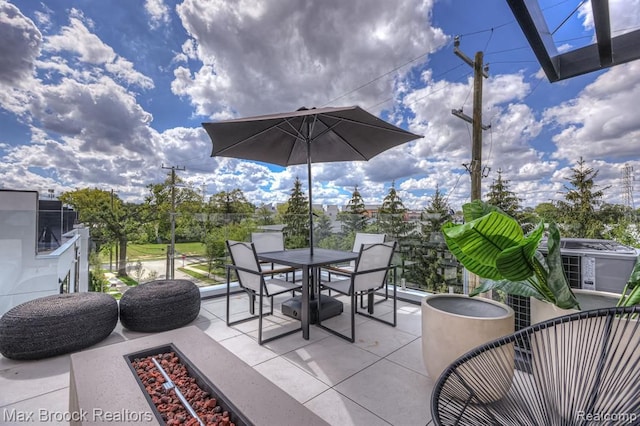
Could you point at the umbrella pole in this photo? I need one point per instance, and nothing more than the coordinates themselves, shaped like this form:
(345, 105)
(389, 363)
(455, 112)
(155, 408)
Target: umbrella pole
(310, 196)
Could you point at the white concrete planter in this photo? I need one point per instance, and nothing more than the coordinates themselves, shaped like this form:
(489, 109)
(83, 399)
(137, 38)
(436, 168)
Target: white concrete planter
(453, 324)
(588, 299)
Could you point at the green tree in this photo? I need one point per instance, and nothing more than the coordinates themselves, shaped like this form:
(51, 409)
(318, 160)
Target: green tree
(548, 212)
(500, 196)
(232, 206)
(265, 216)
(353, 217)
(322, 225)
(580, 203)
(109, 219)
(296, 218)
(391, 215)
(432, 260)
(436, 214)
(188, 209)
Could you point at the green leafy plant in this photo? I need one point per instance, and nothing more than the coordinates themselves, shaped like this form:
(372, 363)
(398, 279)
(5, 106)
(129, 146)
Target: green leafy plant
(633, 287)
(492, 245)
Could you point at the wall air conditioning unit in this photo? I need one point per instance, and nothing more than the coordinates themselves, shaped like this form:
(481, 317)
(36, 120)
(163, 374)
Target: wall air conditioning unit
(590, 264)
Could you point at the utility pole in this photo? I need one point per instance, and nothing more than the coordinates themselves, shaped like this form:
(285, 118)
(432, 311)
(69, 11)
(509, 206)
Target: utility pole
(479, 71)
(475, 169)
(171, 249)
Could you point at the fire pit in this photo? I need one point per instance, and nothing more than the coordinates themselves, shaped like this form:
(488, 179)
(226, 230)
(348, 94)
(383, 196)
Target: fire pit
(105, 389)
(179, 393)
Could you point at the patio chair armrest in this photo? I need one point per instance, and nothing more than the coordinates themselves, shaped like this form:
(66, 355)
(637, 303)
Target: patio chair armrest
(279, 271)
(263, 273)
(337, 270)
(240, 268)
(368, 271)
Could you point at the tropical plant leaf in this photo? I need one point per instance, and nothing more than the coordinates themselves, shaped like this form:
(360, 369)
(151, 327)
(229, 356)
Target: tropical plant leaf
(518, 288)
(482, 270)
(483, 239)
(515, 263)
(633, 298)
(487, 285)
(556, 279)
(476, 209)
(634, 278)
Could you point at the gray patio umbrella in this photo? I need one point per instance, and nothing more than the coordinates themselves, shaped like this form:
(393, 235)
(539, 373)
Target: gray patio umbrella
(306, 136)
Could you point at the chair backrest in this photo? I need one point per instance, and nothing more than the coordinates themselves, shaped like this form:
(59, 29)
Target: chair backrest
(365, 238)
(267, 241)
(243, 255)
(375, 257)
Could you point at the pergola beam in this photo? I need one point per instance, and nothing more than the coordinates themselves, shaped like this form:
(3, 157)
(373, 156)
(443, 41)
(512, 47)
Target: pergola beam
(606, 52)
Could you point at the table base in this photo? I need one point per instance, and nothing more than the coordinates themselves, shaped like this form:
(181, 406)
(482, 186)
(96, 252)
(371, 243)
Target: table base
(330, 308)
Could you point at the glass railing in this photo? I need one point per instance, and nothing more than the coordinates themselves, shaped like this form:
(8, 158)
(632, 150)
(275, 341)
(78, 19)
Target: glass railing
(422, 260)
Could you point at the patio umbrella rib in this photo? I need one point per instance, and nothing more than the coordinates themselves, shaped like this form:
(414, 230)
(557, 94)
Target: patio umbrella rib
(344, 140)
(374, 126)
(246, 139)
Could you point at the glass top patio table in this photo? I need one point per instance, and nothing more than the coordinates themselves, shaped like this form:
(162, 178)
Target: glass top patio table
(303, 259)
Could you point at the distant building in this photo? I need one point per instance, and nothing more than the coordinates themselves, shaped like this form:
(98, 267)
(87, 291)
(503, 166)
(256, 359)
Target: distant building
(371, 210)
(29, 273)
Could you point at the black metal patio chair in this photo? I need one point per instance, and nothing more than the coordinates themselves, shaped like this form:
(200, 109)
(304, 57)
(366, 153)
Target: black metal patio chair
(578, 369)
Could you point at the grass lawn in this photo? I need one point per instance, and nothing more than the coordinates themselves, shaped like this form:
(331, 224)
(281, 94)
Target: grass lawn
(156, 251)
(202, 277)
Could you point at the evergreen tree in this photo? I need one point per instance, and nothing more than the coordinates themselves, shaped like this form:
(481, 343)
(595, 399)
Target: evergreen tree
(391, 215)
(232, 205)
(353, 217)
(296, 218)
(431, 254)
(500, 196)
(581, 199)
(322, 225)
(435, 214)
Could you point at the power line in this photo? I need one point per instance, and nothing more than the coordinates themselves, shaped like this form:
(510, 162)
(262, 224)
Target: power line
(377, 78)
(429, 93)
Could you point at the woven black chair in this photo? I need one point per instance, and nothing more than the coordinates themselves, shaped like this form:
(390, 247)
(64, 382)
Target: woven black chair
(160, 305)
(578, 369)
(56, 325)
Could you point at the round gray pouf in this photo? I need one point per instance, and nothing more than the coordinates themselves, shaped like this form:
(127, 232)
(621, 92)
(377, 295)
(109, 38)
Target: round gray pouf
(159, 305)
(56, 325)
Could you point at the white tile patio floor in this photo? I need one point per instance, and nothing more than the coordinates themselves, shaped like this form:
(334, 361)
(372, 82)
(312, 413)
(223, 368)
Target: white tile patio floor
(378, 380)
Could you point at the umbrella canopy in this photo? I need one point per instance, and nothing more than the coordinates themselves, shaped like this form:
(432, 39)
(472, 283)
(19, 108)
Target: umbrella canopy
(306, 136)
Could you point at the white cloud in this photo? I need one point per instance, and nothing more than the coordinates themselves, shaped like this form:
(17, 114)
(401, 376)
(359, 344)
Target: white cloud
(259, 59)
(77, 39)
(603, 118)
(21, 43)
(621, 17)
(158, 13)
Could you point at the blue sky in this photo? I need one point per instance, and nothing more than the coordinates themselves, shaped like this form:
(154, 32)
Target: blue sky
(104, 94)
